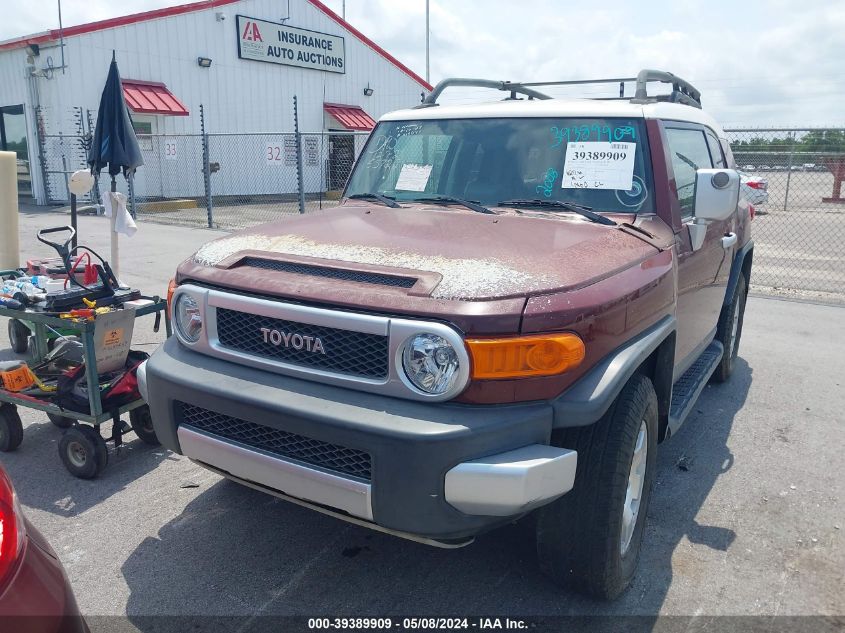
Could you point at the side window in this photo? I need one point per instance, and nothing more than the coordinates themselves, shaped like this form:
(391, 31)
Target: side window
(715, 151)
(689, 153)
(729, 155)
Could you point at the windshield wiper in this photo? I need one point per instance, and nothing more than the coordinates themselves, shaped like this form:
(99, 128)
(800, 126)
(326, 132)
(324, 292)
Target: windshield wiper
(469, 204)
(580, 209)
(385, 200)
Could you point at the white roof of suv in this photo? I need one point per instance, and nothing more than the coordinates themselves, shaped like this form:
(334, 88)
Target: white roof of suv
(682, 104)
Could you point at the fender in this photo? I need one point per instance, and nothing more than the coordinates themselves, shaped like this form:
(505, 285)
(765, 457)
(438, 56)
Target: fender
(589, 398)
(736, 269)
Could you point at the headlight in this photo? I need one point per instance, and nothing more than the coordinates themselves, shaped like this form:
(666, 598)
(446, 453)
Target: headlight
(430, 363)
(188, 317)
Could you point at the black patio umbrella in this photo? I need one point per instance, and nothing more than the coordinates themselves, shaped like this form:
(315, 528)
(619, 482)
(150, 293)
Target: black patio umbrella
(114, 142)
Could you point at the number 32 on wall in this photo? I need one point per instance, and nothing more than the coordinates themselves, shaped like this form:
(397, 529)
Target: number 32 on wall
(273, 154)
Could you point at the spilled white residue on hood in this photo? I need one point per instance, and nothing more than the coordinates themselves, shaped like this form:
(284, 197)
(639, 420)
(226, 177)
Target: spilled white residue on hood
(462, 278)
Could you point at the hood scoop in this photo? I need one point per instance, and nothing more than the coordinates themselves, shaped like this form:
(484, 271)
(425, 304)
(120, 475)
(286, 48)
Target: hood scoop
(326, 272)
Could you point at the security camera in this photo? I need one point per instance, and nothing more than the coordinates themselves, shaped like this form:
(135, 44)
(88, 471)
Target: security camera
(220, 16)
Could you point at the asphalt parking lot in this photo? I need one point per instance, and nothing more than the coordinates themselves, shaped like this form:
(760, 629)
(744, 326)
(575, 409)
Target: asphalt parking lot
(747, 517)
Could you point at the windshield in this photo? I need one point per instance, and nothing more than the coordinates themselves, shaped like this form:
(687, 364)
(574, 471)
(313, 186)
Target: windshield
(600, 163)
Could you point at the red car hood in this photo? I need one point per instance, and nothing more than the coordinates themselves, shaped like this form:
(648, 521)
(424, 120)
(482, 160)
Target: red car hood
(451, 253)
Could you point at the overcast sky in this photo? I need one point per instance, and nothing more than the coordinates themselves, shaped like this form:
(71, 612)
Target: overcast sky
(755, 62)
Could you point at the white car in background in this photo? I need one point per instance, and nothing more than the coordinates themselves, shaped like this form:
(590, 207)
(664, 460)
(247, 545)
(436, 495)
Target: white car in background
(754, 189)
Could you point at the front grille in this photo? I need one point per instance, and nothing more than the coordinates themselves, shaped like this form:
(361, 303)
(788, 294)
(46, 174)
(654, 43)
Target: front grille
(346, 352)
(347, 461)
(330, 273)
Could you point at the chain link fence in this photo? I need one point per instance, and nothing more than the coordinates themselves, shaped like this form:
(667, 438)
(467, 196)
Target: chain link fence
(793, 177)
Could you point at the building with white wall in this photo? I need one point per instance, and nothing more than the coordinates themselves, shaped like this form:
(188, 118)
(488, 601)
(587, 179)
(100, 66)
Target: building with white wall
(242, 60)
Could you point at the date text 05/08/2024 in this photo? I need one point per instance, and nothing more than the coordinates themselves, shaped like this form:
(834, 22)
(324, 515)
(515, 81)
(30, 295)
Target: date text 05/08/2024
(420, 623)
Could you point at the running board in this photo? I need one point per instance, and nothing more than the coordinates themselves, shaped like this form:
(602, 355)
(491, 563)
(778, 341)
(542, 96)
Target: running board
(688, 387)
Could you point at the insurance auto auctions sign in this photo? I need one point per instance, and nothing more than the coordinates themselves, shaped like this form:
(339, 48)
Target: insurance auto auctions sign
(279, 44)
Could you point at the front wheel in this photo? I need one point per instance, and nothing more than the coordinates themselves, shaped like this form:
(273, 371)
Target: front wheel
(589, 539)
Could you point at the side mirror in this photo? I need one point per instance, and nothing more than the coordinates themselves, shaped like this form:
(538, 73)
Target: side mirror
(716, 193)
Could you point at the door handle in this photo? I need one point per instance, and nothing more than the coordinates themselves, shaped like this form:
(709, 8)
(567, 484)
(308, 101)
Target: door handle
(729, 240)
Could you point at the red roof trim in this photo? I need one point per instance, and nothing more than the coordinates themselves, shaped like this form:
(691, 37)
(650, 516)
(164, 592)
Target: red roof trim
(111, 23)
(54, 34)
(151, 97)
(352, 117)
(366, 40)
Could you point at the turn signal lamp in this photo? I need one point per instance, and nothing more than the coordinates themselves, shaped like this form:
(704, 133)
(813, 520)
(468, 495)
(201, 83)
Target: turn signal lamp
(171, 288)
(525, 356)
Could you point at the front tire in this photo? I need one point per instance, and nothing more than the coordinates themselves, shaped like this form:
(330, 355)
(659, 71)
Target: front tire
(729, 331)
(589, 539)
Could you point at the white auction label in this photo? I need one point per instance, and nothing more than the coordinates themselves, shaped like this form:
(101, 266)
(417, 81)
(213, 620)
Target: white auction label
(599, 165)
(413, 177)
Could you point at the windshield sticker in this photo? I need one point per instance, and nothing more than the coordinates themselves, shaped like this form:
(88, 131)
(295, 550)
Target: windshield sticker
(408, 129)
(383, 153)
(599, 165)
(548, 182)
(634, 197)
(413, 177)
(581, 133)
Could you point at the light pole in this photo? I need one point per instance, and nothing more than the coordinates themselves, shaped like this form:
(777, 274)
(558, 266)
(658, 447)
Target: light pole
(427, 69)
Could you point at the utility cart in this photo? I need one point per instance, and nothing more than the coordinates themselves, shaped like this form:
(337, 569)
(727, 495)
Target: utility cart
(82, 449)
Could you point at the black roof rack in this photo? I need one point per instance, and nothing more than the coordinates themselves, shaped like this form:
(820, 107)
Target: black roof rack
(682, 91)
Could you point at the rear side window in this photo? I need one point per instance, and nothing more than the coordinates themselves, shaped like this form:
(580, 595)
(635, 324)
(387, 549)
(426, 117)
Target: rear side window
(729, 156)
(689, 153)
(715, 151)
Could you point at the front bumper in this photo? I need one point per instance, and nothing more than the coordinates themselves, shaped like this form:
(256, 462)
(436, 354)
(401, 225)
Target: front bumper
(438, 470)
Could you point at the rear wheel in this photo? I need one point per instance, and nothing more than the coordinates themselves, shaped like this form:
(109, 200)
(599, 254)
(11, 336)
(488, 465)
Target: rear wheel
(11, 428)
(61, 421)
(729, 331)
(142, 424)
(589, 539)
(83, 451)
(18, 336)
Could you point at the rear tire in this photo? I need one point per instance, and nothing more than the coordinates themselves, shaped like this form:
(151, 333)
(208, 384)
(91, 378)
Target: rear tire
(11, 428)
(18, 336)
(61, 421)
(83, 451)
(729, 331)
(589, 539)
(142, 424)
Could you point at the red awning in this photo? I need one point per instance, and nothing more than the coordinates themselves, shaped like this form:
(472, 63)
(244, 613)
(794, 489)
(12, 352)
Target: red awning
(350, 117)
(151, 97)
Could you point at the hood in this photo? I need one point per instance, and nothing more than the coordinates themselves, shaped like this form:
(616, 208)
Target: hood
(449, 253)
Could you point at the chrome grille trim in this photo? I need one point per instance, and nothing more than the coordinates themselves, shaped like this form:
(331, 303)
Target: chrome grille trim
(398, 331)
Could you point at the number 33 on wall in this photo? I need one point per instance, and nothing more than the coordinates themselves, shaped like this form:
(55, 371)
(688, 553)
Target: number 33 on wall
(170, 149)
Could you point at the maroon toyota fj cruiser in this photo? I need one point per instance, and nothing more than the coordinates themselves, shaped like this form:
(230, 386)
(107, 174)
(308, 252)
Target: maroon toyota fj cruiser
(511, 307)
